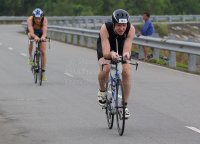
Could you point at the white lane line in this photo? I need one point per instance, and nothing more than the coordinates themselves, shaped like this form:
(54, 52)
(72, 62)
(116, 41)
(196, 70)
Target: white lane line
(69, 74)
(193, 128)
(171, 69)
(32, 99)
(10, 48)
(118, 95)
(23, 54)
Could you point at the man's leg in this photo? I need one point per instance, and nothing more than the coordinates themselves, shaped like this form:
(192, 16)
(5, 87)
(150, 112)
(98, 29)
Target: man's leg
(43, 51)
(127, 82)
(103, 74)
(145, 53)
(102, 78)
(30, 60)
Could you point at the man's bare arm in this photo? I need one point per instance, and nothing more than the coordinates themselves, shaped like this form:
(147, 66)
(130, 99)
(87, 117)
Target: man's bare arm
(105, 42)
(30, 27)
(129, 39)
(44, 27)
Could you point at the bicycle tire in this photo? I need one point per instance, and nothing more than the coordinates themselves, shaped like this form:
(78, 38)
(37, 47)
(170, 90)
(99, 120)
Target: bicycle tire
(120, 110)
(35, 68)
(109, 115)
(40, 68)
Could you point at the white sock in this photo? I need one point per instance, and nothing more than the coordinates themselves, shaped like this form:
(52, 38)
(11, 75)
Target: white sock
(30, 57)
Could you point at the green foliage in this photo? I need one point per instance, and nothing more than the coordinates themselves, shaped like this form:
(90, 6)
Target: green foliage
(153, 60)
(181, 65)
(161, 29)
(163, 62)
(98, 7)
(160, 61)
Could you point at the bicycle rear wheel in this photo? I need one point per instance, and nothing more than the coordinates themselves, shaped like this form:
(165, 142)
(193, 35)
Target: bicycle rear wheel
(120, 110)
(35, 68)
(109, 114)
(40, 68)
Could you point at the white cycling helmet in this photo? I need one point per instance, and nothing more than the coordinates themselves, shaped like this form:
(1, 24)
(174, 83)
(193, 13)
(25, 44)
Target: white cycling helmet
(38, 13)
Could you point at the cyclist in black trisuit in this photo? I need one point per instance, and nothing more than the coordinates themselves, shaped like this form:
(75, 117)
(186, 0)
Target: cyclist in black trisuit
(118, 32)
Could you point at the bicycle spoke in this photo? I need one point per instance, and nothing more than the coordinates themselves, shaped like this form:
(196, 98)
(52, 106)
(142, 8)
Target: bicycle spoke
(109, 115)
(120, 115)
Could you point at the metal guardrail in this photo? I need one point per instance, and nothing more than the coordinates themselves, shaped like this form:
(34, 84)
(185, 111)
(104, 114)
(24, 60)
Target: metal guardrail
(92, 21)
(65, 33)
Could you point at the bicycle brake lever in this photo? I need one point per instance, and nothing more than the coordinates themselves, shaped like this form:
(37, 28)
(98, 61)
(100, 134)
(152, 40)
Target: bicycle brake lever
(49, 43)
(136, 65)
(102, 65)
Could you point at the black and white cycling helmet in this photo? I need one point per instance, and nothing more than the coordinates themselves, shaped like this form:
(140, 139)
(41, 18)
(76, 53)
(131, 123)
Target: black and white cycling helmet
(38, 13)
(120, 16)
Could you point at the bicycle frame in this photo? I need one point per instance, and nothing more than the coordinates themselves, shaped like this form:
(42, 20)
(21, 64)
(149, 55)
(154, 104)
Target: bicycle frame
(114, 79)
(37, 68)
(113, 83)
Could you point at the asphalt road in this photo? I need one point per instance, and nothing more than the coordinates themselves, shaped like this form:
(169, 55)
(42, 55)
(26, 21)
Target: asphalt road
(164, 103)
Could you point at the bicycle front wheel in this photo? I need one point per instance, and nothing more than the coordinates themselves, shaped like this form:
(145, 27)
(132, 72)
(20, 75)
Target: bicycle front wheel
(109, 114)
(40, 68)
(35, 68)
(120, 110)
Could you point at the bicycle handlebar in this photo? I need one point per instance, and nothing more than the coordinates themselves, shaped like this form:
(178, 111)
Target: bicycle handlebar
(48, 39)
(120, 60)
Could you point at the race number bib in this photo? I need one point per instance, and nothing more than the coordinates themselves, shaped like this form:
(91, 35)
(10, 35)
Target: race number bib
(122, 20)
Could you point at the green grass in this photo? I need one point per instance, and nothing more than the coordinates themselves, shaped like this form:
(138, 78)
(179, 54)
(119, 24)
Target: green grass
(161, 61)
(140, 26)
(181, 65)
(133, 50)
(10, 23)
(162, 29)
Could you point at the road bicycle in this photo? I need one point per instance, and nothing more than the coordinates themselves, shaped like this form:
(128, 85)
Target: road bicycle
(37, 60)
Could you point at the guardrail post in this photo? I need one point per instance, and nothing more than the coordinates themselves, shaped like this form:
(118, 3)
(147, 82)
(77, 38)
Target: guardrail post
(141, 52)
(94, 21)
(66, 22)
(13, 21)
(156, 18)
(141, 19)
(68, 38)
(52, 34)
(4, 22)
(86, 22)
(183, 19)
(54, 23)
(75, 39)
(102, 20)
(172, 57)
(59, 23)
(155, 50)
(25, 29)
(48, 33)
(197, 19)
(81, 40)
(63, 36)
(191, 58)
(49, 23)
(89, 44)
(58, 35)
(170, 19)
(79, 23)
